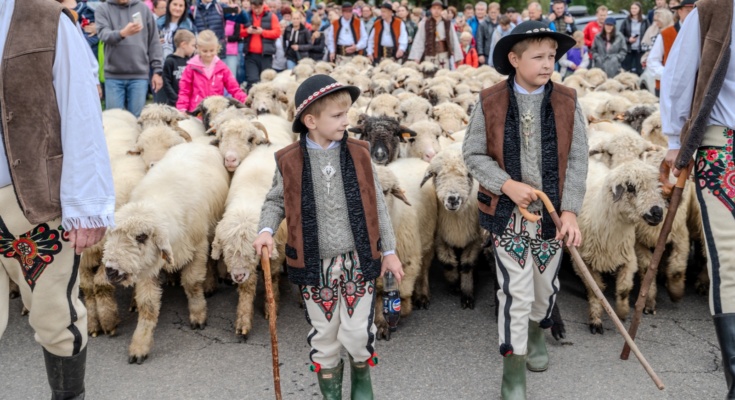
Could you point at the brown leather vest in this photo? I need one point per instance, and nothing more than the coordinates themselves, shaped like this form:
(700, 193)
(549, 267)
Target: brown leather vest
(304, 239)
(495, 101)
(434, 47)
(30, 115)
(715, 35)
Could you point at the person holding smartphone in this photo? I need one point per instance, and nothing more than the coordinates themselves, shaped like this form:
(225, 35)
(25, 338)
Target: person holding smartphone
(633, 29)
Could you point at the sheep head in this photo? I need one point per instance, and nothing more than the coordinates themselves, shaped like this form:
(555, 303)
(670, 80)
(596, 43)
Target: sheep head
(210, 107)
(415, 109)
(160, 114)
(137, 246)
(384, 135)
(236, 138)
(635, 192)
(451, 117)
(267, 98)
(452, 180)
(153, 143)
(425, 145)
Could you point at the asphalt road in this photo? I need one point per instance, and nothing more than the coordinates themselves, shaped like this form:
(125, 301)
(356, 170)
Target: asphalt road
(441, 353)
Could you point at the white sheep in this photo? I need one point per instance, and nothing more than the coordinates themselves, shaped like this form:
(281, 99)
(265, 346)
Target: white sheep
(578, 83)
(237, 137)
(652, 131)
(451, 117)
(213, 105)
(414, 109)
(425, 145)
(458, 236)
(302, 71)
(167, 226)
(595, 76)
(267, 98)
(153, 143)
(628, 79)
(384, 104)
(121, 130)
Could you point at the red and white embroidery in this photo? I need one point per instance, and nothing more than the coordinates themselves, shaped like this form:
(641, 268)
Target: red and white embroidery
(316, 94)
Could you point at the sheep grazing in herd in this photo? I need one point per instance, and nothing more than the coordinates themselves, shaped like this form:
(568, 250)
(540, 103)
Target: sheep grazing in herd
(651, 130)
(616, 199)
(414, 109)
(451, 117)
(636, 116)
(611, 86)
(323, 67)
(213, 105)
(267, 98)
(458, 236)
(384, 135)
(384, 105)
(153, 143)
(167, 226)
(160, 114)
(236, 138)
(628, 79)
(425, 145)
(302, 71)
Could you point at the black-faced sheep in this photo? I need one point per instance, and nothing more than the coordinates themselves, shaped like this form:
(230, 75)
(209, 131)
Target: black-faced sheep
(384, 135)
(213, 105)
(458, 236)
(636, 115)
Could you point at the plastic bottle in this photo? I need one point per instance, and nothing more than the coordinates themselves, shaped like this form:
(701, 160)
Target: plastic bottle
(391, 301)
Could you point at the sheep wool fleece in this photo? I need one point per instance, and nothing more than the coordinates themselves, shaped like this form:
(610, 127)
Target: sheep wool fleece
(41, 260)
(341, 311)
(527, 267)
(714, 174)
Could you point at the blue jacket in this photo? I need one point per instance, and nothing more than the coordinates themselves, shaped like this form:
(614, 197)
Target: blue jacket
(213, 18)
(473, 23)
(86, 12)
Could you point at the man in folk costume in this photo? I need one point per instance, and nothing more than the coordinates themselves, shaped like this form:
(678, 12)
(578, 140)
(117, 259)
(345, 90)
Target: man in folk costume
(56, 190)
(346, 37)
(388, 36)
(436, 40)
(697, 115)
(662, 46)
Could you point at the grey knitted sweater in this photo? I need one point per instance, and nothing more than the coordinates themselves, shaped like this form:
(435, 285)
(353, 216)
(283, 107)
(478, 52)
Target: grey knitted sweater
(492, 177)
(335, 232)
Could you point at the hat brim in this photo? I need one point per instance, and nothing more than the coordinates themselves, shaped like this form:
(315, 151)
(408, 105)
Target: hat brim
(504, 46)
(299, 126)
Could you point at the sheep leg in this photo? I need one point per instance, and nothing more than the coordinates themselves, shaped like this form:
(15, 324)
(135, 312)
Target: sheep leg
(275, 279)
(246, 291)
(421, 294)
(467, 270)
(86, 283)
(448, 258)
(192, 279)
(644, 256)
(104, 293)
(14, 290)
(148, 299)
(379, 320)
(623, 286)
(595, 307)
(676, 268)
(210, 280)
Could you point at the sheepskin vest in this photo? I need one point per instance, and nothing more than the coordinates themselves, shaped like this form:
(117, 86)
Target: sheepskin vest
(395, 33)
(302, 247)
(433, 45)
(30, 117)
(715, 34)
(502, 129)
(354, 27)
(668, 36)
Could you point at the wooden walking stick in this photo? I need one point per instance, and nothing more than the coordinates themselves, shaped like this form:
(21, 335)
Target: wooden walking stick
(657, 253)
(592, 284)
(265, 262)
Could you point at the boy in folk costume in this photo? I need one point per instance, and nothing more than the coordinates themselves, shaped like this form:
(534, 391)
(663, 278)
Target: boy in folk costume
(338, 229)
(527, 133)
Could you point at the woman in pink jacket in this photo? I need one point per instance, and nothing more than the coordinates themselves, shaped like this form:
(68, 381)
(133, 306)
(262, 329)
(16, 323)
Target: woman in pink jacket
(206, 75)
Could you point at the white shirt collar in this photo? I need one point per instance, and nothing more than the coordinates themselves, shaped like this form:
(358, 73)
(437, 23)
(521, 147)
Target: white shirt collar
(310, 144)
(521, 90)
(346, 21)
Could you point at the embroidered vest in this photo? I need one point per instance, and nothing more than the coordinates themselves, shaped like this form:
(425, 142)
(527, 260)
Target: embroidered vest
(30, 118)
(495, 100)
(354, 28)
(715, 35)
(302, 247)
(395, 33)
(432, 44)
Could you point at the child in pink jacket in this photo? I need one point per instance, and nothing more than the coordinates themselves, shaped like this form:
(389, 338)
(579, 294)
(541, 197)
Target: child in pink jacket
(206, 75)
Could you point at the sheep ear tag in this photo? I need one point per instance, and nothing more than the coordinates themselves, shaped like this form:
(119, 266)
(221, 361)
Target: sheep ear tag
(406, 135)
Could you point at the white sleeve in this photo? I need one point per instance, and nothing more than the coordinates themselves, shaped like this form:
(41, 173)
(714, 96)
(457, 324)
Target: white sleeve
(655, 61)
(329, 39)
(362, 43)
(403, 38)
(417, 48)
(678, 80)
(371, 40)
(92, 60)
(87, 191)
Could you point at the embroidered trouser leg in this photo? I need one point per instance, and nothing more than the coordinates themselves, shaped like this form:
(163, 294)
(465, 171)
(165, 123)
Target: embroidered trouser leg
(341, 312)
(441, 60)
(40, 259)
(715, 183)
(527, 267)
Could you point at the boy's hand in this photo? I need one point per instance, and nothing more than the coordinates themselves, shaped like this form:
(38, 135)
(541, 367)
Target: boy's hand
(264, 239)
(521, 194)
(393, 264)
(569, 228)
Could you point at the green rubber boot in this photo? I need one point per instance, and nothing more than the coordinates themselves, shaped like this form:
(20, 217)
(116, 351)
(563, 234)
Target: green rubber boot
(514, 378)
(538, 357)
(330, 382)
(362, 385)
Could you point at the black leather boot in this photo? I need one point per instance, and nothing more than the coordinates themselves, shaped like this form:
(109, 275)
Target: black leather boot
(725, 328)
(66, 375)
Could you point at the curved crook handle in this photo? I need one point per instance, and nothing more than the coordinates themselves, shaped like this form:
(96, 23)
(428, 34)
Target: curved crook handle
(547, 203)
(668, 187)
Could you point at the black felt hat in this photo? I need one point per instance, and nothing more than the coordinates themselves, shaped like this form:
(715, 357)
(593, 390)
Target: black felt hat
(683, 4)
(526, 30)
(346, 4)
(387, 6)
(312, 89)
(438, 3)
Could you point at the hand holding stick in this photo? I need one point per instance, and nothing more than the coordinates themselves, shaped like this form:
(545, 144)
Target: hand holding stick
(265, 262)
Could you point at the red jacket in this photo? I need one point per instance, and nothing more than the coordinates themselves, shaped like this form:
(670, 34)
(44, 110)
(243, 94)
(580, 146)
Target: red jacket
(470, 58)
(195, 86)
(256, 42)
(590, 31)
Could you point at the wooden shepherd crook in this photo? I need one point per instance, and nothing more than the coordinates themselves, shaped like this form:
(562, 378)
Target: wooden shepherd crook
(591, 282)
(657, 254)
(265, 262)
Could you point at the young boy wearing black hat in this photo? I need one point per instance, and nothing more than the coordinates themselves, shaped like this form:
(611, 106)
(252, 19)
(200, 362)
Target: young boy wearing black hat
(388, 36)
(527, 133)
(338, 229)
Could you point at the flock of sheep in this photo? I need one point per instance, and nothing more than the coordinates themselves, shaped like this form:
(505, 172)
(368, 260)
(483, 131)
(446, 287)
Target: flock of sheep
(190, 190)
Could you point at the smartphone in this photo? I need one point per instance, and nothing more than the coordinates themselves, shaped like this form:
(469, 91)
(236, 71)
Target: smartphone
(229, 10)
(137, 18)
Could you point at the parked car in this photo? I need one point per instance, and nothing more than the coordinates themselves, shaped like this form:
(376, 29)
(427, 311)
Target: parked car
(619, 18)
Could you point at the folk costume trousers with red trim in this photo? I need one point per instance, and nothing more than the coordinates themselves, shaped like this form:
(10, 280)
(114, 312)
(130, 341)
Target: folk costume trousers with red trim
(714, 175)
(527, 268)
(341, 312)
(40, 259)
